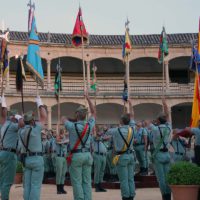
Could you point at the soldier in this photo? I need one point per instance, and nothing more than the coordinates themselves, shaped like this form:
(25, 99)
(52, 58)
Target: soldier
(161, 156)
(8, 157)
(140, 147)
(179, 145)
(53, 150)
(45, 151)
(61, 163)
(123, 148)
(99, 156)
(31, 148)
(80, 159)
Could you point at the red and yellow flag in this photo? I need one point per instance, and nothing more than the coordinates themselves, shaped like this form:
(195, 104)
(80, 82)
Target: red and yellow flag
(196, 98)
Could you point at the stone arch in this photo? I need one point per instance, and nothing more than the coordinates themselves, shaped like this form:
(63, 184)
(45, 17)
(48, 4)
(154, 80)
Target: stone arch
(146, 111)
(109, 113)
(179, 69)
(181, 114)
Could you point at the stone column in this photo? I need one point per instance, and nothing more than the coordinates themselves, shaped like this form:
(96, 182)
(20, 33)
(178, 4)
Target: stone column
(49, 111)
(48, 75)
(88, 74)
(167, 73)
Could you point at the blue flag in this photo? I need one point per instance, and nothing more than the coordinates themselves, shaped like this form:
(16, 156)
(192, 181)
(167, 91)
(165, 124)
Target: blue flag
(195, 60)
(34, 61)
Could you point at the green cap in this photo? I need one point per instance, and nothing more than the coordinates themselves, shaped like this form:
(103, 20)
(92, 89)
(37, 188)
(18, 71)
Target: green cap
(28, 116)
(12, 112)
(82, 109)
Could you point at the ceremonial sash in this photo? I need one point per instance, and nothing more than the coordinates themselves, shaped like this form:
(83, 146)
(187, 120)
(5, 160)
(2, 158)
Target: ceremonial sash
(125, 147)
(69, 157)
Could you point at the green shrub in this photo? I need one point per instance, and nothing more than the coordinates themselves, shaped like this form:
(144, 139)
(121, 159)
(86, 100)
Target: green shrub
(19, 167)
(184, 173)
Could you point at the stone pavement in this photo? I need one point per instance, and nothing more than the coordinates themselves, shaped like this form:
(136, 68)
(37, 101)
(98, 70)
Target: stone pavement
(49, 193)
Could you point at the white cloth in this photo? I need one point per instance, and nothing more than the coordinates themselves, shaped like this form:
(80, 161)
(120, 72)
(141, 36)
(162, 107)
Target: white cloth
(3, 102)
(39, 101)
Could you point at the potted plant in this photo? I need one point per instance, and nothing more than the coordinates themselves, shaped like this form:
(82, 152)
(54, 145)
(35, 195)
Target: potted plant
(184, 180)
(19, 173)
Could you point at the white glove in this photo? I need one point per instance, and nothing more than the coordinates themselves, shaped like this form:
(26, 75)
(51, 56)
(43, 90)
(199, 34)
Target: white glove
(18, 117)
(3, 102)
(39, 101)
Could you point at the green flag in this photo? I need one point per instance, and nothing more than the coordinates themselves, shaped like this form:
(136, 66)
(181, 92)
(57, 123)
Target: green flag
(94, 79)
(163, 49)
(58, 82)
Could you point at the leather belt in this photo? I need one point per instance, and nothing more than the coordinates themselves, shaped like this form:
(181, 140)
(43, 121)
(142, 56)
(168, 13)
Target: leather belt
(139, 144)
(59, 155)
(177, 153)
(124, 152)
(101, 154)
(164, 150)
(29, 154)
(110, 148)
(9, 150)
(83, 150)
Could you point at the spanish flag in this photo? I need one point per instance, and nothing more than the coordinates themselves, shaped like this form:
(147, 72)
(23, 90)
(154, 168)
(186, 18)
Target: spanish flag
(126, 49)
(196, 98)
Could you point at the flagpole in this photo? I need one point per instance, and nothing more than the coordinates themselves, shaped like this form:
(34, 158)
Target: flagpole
(59, 75)
(163, 74)
(22, 93)
(128, 81)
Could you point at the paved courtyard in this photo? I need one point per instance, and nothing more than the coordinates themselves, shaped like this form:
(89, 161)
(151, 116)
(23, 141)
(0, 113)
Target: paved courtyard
(49, 193)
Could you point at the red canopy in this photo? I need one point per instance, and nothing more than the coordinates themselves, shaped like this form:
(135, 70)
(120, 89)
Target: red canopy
(79, 31)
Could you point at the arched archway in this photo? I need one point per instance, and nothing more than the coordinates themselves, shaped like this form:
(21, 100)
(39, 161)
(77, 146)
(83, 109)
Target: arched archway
(179, 70)
(66, 109)
(109, 113)
(181, 115)
(147, 111)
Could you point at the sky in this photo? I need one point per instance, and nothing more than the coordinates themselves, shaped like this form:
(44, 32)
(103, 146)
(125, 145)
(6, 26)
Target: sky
(104, 17)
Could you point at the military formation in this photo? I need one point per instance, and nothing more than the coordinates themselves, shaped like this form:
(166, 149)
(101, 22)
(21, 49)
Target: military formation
(83, 148)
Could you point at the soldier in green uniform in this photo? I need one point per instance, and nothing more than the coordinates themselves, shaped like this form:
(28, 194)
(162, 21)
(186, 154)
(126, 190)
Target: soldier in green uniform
(80, 156)
(8, 157)
(123, 138)
(61, 163)
(161, 156)
(99, 156)
(45, 151)
(53, 151)
(140, 147)
(31, 148)
(179, 145)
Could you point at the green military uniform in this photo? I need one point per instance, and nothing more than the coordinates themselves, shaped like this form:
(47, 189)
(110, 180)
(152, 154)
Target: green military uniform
(8, 157)
(61, 167)
(99, 157)
(80, 167)
(126, 162)
(196, 132)
(139, 147)
(45, 152)
(161, 158)
(31, 146)
(53, 154)
(179, 146)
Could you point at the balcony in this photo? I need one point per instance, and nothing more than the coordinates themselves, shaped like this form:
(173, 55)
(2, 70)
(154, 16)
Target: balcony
(110, 86)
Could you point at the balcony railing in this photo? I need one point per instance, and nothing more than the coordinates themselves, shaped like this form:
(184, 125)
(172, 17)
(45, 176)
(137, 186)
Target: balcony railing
(106, 88)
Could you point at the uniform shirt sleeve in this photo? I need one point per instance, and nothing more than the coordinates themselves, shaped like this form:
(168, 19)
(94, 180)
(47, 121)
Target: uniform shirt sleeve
(68, 125)
(111, 131)
(91, 122)
(132, 123)
(195, 131)
(145, 133)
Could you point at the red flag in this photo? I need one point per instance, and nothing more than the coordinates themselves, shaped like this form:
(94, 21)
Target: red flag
(79, 31)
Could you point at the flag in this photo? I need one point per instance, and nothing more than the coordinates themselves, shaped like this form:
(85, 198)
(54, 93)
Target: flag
(196, 98)
(163, 49)
(20, 74)
(34, 62)
(126, 48)
(79, 31)
(94, 79)
(30, 15)
(58, 82)
(195, 60)
(4, 56)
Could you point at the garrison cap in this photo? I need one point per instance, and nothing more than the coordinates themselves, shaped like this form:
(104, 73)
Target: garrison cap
(81, 109)
(12, 112)
(28, 116)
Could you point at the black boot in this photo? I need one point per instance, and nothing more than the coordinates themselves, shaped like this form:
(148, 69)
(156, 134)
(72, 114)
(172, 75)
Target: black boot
(58, 189)
(166, 196)
(97, 189)
(62, 189)
(131, 198)
(144, 172)
(101, 188)
(125, 198)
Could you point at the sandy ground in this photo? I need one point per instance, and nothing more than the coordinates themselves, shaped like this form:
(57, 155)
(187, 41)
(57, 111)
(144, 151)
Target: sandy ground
(49, 193)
